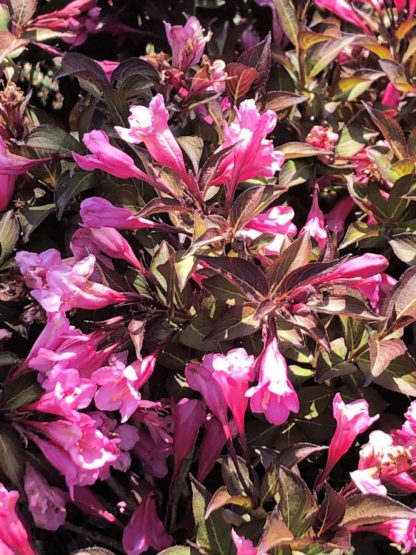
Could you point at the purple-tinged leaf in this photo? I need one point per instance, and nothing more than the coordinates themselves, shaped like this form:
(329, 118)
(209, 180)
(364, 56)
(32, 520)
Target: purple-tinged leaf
(259, 57)
(382, 352)
(362, 510)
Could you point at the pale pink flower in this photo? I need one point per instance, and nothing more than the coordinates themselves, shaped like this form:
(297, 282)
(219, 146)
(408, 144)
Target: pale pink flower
(66, 385)
(119, 384)
(187, 42)
(382, 459)
(46, 503)
(274, 395)
(107, 157)
(315, 222)
(211, 77)
(276, 221)
(150, 126)
(145, 529)
(345, 11)
(60, 285)
(253, 155)
(14, 539)
(399, 531)
(352, 419)
(189, 415)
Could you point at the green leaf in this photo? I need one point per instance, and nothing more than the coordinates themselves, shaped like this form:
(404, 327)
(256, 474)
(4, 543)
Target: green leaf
(295, 256)
(391, 131)
(193, 147)
(23, 10)
(296, 502)
(213, 533)
(404, 247)
(11, 454)
(238, 321)
(288, 19)
(70, 185)
(31, 217)
(321, 55)
(179, 550)
(382, 352)
(396, 74)
(55, 139)
(223, 497)
(251, 202)
(353, 138)
(349, 88)
(343, 304)
(362, 510)
(399, 376)
(224, 290)
(301, 150)
(22, 391)
(9, 235)
(358, 231)
(281, 100)
(295, 172)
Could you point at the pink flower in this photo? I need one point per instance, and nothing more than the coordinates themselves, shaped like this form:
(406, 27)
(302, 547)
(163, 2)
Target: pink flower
(86, 500)
(382, 459)
(276, 221)
(14, 539)
(189, 415)
(145, 529)
(253, 155)
(335, 219)
(69, 21)
(274, 395)
(65, 385)
(46, 503)
(107, 240)
(150, 126)
(77, 449)
(322, 137)
(315, 222)
(211, 447)
(153, 453)
(352, 419)
(187, 42)
(108, 66)
(391, 98)
(344, 10)
(119, 384)
(244, 546)
(211, 77)
(399, 531)
(60, 285)
(97, 212)
(353, 270)
(107, 157)
(223, 380)
(12, 165)
(7, 183)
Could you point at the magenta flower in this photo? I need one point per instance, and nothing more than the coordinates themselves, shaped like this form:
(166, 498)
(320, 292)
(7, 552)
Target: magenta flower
(391, 98)
(150, 126)
(244, 546)
(60, 285)
(97, 212)
(119, 384)
(276, 221)
(145, 529)
(353, 270)
(345, 11)
(335, 219)
(189, 415)
(77, 449)
(108, 66)
(107, 157)
(12, 165)
(211, 447)
(322, 137)
(86, 500)
(253, 155)
(187, 43)
(352, 419)
(274, 395)
(315, 222)
(107, 240)
(400, 531)
(276, 27)
(14, 539)
(46, 503)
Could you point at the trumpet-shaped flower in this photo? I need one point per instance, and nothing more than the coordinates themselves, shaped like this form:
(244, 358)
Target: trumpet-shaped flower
(145, 529)
(46, 503)
(60, 285)
(14, 539)
(119, 384)
(276, 221)
(187, 42)
(399, 531)
(274, 395)
(352, 419)
(345, 11)
(97, 212)
(253, 155)
(315, 222)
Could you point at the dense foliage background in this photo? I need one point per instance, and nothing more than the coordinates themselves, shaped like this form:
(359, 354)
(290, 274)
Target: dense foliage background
(207, 277)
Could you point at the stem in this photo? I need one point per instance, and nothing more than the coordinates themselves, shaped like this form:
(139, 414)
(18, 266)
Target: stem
(94, 536)
(237, 468)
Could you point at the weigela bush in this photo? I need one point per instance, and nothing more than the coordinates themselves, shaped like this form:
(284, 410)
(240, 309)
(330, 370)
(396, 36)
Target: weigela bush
(208, 277)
